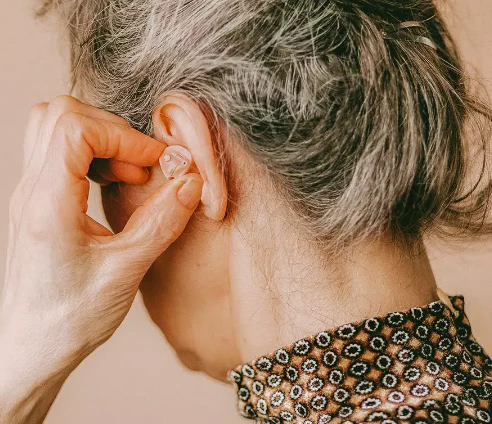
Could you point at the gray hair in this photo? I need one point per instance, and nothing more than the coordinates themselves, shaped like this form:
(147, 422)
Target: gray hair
(363, 134)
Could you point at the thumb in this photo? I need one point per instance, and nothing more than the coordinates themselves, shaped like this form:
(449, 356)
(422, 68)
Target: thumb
(160, 220)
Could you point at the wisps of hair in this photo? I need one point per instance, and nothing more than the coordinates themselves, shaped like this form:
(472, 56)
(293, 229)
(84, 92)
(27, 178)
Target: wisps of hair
(363, 134)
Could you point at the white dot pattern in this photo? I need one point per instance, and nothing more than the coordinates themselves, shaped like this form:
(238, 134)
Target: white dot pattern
(419, 366)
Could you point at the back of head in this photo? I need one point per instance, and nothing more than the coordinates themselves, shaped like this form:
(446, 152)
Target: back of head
(363, 133)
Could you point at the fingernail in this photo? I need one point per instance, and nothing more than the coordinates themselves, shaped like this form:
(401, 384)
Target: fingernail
(189, 194)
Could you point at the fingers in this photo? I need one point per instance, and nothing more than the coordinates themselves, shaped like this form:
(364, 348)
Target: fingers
(104, 172)
(41, 126)
(61, 193)
(159, 221)
(128, 173)
(78, 139)
(100, 172)
(78, 146)
(75, 149)
(52, 113)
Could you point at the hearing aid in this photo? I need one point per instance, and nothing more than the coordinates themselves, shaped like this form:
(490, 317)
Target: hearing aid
(175, 161)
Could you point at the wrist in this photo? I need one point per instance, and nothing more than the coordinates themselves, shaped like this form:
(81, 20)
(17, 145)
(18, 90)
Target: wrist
(32, 376)
(27, 363)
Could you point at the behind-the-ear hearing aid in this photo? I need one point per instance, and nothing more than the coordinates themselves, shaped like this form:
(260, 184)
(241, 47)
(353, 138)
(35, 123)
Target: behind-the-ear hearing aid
(175, 161)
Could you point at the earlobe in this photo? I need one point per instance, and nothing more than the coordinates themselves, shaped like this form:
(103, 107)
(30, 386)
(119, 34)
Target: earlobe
(179, 121)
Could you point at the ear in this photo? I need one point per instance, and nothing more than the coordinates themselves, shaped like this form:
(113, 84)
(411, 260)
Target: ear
(178, 120)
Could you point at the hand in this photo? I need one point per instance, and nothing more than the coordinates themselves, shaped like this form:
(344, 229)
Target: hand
(70, 281)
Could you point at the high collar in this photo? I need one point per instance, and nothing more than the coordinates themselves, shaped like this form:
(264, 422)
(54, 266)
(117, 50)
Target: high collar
(421, 365)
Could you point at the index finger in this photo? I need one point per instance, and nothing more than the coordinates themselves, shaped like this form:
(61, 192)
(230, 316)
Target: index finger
(78, 139)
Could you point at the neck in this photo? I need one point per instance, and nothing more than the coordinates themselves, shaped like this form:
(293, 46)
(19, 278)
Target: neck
(285, 288)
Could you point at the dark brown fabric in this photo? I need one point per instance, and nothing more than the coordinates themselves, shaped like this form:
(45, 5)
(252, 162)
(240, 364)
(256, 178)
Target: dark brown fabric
(418, 366)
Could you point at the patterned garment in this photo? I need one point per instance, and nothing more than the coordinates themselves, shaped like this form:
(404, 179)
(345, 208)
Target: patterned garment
(418, 366)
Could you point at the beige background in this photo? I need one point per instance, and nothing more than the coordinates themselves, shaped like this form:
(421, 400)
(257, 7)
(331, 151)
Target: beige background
(134, 377)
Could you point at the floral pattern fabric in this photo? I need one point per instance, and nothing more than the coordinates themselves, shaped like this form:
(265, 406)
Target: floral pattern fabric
(418, 366)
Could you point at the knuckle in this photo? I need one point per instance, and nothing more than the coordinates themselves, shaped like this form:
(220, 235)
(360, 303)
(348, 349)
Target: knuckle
(62, 104)
(67, 118)
(69, 122)
(169, 234)
(76, 131)
(37, 111)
